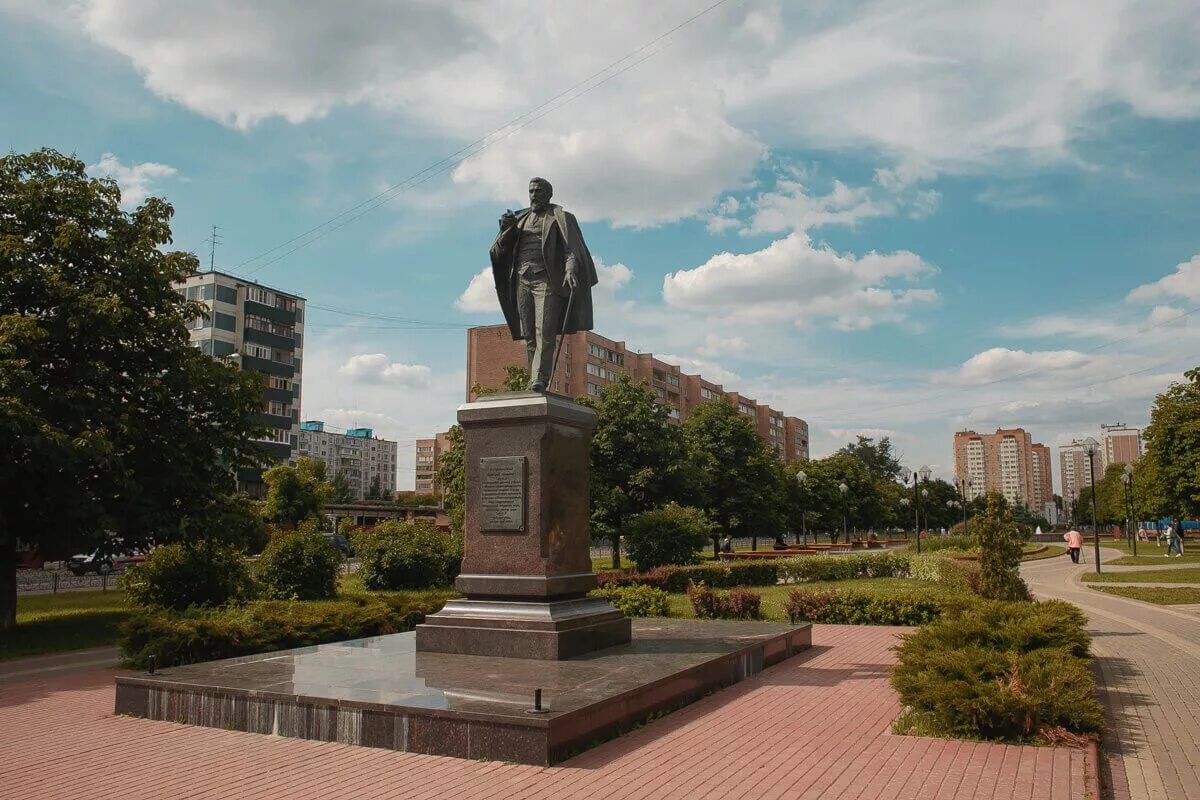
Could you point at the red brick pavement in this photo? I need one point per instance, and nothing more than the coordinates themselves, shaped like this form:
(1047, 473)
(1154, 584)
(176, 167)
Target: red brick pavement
(814, 726)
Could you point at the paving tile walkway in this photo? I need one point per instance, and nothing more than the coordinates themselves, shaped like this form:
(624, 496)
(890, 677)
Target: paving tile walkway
(814, 726)
(1148, 659)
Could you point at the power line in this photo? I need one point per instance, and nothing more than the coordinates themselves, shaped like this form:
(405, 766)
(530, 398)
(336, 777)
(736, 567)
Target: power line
(509, 129)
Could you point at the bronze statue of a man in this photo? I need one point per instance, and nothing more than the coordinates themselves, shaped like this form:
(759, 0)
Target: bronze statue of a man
(544, 278)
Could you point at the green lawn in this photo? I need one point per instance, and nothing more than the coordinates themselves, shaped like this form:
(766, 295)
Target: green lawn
(1189, 575)
(1051, 551)
(1163, 597)
(53, 623)
(1148, 555)
(774, 597)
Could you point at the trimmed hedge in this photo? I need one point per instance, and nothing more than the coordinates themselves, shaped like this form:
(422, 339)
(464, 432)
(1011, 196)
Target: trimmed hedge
(676, 579)
(934, 544)
(999, 670)
(186, 637)
(738, 603)
(637, 601)
(946, 570)
(856, 607)
(812, 569)
(802, 569)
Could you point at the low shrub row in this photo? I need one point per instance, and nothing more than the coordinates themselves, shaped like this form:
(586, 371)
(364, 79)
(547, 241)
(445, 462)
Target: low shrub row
(637, 601)
(934, 544)
(812, 569)
(999, 670)
(856, 607)
(803, 569)
(737, 603)
(716, 575)
(945, 570)
(184, 637)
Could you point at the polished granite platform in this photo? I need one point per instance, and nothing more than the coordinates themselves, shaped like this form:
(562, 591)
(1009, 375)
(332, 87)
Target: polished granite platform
(380, 692)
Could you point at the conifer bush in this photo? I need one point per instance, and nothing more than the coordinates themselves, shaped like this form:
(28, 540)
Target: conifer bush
(1000, 549)
(637, 601)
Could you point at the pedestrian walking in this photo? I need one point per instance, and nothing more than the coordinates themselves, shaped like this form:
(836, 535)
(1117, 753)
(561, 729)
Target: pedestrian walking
(727, 544)
(1074, 541)
(1175, 540)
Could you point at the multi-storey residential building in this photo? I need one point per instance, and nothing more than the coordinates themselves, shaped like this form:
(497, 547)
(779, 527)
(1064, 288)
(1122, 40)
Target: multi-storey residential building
(262, 329)
(367, 463)
(1001, 462)
(428, 457)
(1043, 482)
(1121, 444)
(589, 361)
(1075, 471)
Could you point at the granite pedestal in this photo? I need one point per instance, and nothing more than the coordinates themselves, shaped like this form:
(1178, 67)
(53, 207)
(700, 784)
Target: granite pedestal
(381, 692)
(526, 566)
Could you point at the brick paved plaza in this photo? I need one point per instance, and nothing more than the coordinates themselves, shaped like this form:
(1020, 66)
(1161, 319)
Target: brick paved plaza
(814, 726)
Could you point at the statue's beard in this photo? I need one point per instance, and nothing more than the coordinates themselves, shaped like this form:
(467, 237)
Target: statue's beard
(538, 206)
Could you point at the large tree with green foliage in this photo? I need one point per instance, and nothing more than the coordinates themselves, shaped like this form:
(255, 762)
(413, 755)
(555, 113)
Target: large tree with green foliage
(342, 491)
(739, 482)
(111, 425)
(637, 459)
(858, 507)
(297, 493)
(452, 476)
(877, 457)
(1173, 445)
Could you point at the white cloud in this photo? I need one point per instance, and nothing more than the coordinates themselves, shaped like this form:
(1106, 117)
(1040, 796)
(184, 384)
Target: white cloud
(715, 345)
(944, 86)
(1002, 364)
(1183, 283)
(136, 180)
(711, 371)
(480, 294)
(378, 368)
(1164, 316)
(792, 278)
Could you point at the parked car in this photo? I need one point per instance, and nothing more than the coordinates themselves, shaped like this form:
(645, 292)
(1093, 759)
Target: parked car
(102, 564)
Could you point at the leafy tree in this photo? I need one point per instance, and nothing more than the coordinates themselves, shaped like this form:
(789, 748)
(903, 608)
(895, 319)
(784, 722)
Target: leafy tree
(231, 519)
(738, 480)
(111, 425)
(516, 379)
(636, 458)
(860, 504)
(300, 566)
(297, 493)
(667, 536)
(1173, 445)
(877, 457)
(375, 490)
(342, 491)
(452, 476)
(1000, 552)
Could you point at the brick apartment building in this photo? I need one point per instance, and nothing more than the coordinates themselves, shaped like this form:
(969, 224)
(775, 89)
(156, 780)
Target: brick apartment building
(589, 361)
(429, 452)
(1121, 444)
(1043, 483)
(1007, 461)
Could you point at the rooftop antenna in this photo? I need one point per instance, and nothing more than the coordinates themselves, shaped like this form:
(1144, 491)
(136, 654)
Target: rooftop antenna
(213, 241)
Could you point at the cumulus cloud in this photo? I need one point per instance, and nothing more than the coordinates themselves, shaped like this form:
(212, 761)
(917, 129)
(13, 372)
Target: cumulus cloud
(946, 86)
(136, 180)
(1164, 316)
(377, 368)
(1183, 283)
(480, 294)
(1002, 364)
(710, 370)
(793, 279)
(715, 345)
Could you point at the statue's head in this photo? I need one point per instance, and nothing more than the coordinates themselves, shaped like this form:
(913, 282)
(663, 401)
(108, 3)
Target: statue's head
(540, 192)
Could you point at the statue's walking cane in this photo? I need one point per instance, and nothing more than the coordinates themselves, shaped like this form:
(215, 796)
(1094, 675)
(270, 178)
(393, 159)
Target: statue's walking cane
(562, 333)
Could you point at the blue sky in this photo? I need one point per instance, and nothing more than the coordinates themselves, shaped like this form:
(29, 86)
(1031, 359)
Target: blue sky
(885, 217)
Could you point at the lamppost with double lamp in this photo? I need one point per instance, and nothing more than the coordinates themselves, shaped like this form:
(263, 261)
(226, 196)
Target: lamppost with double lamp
(801, 477)
(904, 503)
(923, 473)
(1130, 523)
(950, 506)
(1090, 446)
(843, 488)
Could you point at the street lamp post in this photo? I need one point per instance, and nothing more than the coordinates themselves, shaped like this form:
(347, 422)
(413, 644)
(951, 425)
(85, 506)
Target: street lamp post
(843, 488)
(950, 506)
(904, 503)
(923, 473)
(1090, 446)
(801, 477)
(1130, 523)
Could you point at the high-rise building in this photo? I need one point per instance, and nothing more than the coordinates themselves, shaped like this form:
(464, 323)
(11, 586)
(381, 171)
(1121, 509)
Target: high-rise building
(262, 329)
(588, 362)
(368, 463)
(428, 458)
(1043, 482)
(1075, 471)
(1000, 462)
(1121, 444)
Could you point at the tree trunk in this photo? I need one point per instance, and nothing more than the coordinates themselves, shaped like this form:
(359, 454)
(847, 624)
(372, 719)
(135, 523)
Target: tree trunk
(616, 556)
(8, 583)
(717, 548)
(754, 543)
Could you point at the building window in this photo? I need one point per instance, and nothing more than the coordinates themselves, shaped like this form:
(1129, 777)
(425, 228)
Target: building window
(226, 322)
(260, 295)
(672, 379)
(280, 383)
(593, 389)
(223, 349)
(226, 294)
(257, 351)
(261, 324)
(708, 394)
(745, 409)
(616, 358)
